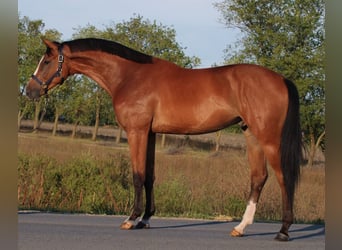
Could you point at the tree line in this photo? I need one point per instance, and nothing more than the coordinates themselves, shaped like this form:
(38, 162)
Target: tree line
(286, 36)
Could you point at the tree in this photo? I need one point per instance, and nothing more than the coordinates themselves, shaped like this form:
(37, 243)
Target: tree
(288, 37)
(59, 99)
(30, 50)
(151, 38)
(79, 102)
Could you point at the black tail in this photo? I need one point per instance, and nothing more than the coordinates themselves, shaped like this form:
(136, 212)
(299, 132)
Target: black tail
(291, 142)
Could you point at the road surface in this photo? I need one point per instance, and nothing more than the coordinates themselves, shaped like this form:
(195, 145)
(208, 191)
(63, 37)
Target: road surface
(47, 231)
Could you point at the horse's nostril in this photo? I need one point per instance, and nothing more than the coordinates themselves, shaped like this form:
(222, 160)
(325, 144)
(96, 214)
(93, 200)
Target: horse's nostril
(32, 93)
(28, 93)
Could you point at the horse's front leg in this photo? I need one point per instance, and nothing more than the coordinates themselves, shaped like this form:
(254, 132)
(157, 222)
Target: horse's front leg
(137, 140)
(149, 180)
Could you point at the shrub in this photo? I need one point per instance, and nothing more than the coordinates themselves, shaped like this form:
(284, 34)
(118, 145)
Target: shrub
(190, 185)
(83, 184)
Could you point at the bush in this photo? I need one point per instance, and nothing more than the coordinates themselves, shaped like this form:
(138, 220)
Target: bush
(83, 184)
(172, 198)
(186, 185)
(90, 185)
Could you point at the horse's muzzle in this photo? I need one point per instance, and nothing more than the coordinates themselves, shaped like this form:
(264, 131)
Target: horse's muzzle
(32, 93)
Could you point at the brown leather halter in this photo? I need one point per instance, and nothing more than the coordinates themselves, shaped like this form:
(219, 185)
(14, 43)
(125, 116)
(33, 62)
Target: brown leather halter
(58, 73)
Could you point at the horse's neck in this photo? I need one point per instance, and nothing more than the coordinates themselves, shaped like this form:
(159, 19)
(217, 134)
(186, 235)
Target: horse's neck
(95, 65)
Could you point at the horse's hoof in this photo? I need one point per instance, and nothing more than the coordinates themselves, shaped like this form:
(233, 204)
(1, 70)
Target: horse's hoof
(142, 225)
(235, 233)
(127, 225)
(282, 237)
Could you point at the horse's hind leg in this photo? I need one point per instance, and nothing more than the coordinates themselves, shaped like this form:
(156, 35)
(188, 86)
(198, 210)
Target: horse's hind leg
(149, 180)
(273, 156)
(258, 167)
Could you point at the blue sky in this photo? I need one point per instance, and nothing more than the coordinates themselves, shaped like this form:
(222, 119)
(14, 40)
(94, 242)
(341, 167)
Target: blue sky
(196, 21)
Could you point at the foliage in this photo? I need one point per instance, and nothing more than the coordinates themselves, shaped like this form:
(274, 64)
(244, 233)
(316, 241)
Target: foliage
(30, 50)
(145, 36)
(153, 39)
(100, 181)
(88, 184)
(288, 37)
(83, 184)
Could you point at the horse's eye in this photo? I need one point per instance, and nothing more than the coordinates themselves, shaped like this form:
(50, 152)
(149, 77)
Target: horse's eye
(46, 62)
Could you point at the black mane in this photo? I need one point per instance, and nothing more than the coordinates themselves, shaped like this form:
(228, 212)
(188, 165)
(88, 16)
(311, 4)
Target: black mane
(108, 47)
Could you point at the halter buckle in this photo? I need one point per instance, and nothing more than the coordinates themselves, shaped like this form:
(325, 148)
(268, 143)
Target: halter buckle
(60, 58)
(44, 86)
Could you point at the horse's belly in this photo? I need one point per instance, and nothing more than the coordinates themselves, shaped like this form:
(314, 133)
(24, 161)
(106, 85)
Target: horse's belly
(193, 123)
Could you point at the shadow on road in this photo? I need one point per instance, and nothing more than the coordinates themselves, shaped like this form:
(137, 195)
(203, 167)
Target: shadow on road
(191, 225)
(310, 231)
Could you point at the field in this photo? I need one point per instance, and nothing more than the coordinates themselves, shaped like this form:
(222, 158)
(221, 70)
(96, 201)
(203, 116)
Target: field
(80, 175)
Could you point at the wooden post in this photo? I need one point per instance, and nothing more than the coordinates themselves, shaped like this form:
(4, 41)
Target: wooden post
(118, 135)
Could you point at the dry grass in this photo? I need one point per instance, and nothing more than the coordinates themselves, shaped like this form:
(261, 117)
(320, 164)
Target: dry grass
(216, 182)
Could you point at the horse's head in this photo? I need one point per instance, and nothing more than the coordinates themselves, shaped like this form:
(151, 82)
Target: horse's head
(51, 71)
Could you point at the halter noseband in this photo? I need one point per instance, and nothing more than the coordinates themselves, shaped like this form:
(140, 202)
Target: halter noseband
(58, 73)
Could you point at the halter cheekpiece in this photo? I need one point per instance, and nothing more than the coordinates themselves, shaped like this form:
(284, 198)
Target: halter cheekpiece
(58, 73)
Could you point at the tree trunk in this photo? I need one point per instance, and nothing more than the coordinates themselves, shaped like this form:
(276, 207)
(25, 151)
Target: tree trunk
(20, 117)
(21, 114)
(97, 122)
(312, 150)
(163, 140)
(55, 124)
(320, 138)
(42, 115)
(218, 138)
(73, 134)
(36, 115)
(313, 147)
(97, 115)
(118, 135)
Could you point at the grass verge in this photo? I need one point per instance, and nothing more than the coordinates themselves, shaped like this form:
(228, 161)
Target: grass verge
(59, 174)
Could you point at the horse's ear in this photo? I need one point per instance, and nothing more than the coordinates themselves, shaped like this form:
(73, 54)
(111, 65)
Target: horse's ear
(49, 44)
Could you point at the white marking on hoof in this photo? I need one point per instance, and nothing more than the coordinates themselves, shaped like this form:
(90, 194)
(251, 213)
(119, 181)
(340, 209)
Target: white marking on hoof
(236, 233)
(127, 224)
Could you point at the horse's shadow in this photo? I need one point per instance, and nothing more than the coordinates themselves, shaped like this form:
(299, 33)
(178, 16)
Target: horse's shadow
(190, 225)
(310, 230)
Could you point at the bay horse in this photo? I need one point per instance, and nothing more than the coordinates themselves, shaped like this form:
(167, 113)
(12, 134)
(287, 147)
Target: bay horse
(151, 95)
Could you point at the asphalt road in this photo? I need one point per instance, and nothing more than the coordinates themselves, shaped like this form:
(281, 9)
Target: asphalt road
(49, 231)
